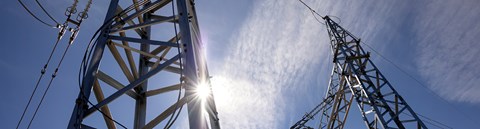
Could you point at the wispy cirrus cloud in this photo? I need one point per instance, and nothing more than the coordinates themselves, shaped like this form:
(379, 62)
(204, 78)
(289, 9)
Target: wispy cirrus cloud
(266, 63)
(448, 47)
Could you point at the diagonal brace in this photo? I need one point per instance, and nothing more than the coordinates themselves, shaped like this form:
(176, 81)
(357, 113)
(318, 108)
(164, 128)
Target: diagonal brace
(131, 85)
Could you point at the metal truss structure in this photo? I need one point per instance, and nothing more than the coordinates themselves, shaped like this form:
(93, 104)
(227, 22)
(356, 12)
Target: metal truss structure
(155, 54)
(355, 77)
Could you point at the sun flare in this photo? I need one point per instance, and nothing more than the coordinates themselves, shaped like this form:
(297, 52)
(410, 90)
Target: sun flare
(203, 91)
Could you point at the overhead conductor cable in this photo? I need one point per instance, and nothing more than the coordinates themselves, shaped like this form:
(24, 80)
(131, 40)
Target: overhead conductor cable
(33, 15)
(42, 72)
(70, 10)
(82, 15)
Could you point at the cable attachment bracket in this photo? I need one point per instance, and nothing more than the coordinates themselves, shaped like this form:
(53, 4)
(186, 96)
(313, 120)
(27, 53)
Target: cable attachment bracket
(62, 30)
(73, 36)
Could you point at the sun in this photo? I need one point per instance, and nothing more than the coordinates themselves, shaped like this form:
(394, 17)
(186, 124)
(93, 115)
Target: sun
(202, 91)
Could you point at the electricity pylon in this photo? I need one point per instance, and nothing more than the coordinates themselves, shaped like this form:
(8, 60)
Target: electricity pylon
(137, 29)
(355, 77)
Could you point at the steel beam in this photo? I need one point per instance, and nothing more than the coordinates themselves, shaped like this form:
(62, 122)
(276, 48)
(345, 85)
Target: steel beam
(196, 119)
(144, 24)
(115, 84)
(99, 95)
(162, 90)
(89, 78)
(143, 41)
(141, 103)
(120, 62)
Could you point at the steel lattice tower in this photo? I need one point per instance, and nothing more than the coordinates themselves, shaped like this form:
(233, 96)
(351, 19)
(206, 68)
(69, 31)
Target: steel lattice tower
(161, 57)
(355, 77)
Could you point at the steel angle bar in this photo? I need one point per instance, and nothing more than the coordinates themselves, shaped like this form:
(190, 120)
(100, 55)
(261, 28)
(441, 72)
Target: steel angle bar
(142, 11)
(155, 64)
(142, 41)
(140, 18)
(129, 55)
(162, 90)
(161, 5)
(162, 48)
(173, 69)
(155, 121)
(136, 50)
(212, 110)
(158, 50)
(193, 70)
(168, 68)
(396, 115)
(132, 85)
(140, 32)
(162, 57)
(83, 126)
(163, 18)
(120, 62)
(144, 24)
(97, 90)
(115, 84)
(165, 54)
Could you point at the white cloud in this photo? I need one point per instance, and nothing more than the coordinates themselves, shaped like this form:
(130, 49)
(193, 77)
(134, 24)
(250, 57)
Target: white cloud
(448, 35)
(268, 59)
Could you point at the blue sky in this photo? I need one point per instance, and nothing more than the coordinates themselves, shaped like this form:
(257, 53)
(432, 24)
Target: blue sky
(270, 60)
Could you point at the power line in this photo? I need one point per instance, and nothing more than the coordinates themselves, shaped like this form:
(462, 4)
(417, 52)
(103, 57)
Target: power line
(29, 100)
(434, 121)
(33, 15)
(420, 83)
(313, 11)
(430, 121)
(60, 35)
(45, 11)
(49, 84)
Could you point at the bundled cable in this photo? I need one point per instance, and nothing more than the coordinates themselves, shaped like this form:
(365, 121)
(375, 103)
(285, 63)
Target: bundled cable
(172, 118)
